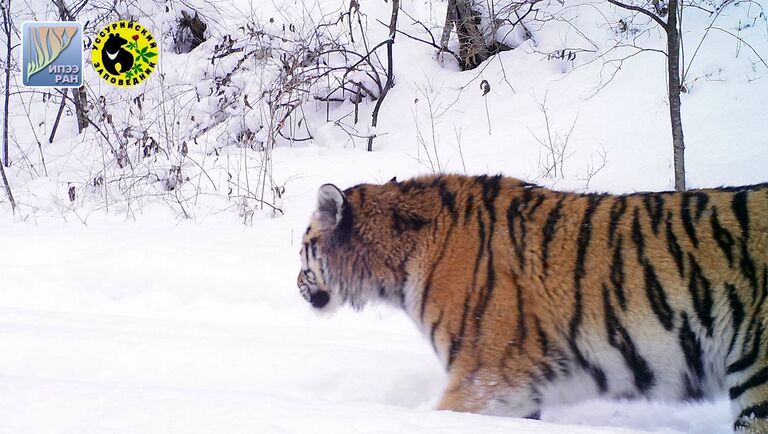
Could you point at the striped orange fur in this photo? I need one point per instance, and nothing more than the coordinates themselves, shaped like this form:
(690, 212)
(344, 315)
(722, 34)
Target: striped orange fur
(532, 296)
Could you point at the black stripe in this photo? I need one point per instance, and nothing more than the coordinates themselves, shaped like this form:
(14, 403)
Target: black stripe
(758, 379)
(448, 200)
(692, 389)
(468, 209)
(433, 330)
(654, 205)
(685, 214)
(582, 242)
(748, 268)
(653, 289)
(736, 307)
(547, 371)
(402, 222)
(411, 185)
(536, 204)
(542, 335)
(431, 275)
(637, 236)
(617, 273)
(585, 233)
(702, 199)
(692, 351)
(597, 374)
(480, 250)
(551, 353)
(739, 205)
(313, 247)
(548, 232)
(599, 377)
(491, 188)
(723, 237)
(750, 348)
(516, 218)
(458, 340)
(619, 338)
(522, 329)
(658, 298)
(674, 247)
(518, 240)
(701, 294)
(617, 210)
(306, 253)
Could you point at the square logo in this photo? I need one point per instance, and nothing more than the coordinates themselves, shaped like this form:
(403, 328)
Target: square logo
(52, 54)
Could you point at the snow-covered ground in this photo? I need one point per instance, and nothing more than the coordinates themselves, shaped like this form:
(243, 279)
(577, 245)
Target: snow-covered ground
(140, 328)
(127, 318)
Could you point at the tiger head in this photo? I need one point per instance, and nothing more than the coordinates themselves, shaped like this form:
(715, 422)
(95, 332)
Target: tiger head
(352, 253)
(329, 227)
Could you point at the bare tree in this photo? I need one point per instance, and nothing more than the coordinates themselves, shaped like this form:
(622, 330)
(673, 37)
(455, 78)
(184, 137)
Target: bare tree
(672, 31)
(7, 32)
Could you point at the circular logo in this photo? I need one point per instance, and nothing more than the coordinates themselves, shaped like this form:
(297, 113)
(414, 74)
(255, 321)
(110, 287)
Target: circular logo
(124, 53)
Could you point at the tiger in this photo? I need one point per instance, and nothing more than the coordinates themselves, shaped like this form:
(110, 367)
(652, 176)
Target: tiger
(532, 297)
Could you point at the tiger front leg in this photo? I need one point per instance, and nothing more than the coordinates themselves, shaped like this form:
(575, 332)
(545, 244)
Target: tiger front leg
(474, 394)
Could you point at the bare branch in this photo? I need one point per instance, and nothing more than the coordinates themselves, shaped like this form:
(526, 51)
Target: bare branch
(645, 12)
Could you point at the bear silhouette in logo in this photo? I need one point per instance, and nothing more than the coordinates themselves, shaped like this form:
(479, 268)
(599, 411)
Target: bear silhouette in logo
(113, 54)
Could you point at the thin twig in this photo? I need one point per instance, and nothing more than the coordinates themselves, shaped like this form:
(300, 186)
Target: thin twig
(745, 43)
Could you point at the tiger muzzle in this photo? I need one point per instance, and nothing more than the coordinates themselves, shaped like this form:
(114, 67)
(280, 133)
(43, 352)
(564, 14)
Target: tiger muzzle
(318, 299)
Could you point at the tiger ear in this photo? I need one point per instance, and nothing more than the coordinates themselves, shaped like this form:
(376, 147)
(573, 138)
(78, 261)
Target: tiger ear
(330, 206)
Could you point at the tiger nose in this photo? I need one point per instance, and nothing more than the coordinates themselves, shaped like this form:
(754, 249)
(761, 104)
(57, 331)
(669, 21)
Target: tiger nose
(319, 299)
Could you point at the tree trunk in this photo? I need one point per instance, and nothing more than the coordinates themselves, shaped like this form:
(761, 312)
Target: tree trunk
(673, 73)
(79, 97)
(7, 187)
(81, 107)
(8, 32)
(472, 48)
(390, 82)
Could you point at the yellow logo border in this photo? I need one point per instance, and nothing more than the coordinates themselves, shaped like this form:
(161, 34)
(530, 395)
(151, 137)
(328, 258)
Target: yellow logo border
(124, 53)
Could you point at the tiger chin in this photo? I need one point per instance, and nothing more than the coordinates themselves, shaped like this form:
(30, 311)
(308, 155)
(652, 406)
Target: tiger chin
(532, 297)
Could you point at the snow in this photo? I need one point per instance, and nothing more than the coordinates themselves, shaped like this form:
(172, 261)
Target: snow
(137, 316)
(202, 330)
